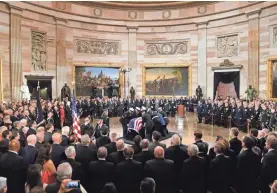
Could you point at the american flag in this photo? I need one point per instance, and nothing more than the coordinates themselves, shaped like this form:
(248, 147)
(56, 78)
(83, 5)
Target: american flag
(76, 123)
(135, 124)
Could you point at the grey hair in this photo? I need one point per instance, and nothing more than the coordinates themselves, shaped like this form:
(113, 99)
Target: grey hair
(70, 151)
(3, 183)
(65, 130)
(64, 171)
(85, 140)
(193, 150)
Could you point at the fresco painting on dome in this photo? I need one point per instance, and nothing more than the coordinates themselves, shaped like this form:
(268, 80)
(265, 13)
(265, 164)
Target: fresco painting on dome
(166, 81)
(101, 77)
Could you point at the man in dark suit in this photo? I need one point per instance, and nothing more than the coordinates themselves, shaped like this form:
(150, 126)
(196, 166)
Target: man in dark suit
(77, 169)
(14, 168)
(147, 185)
(40, 139)
(248, 164)
(30, 152)
(4, 143)
(235, 143)
(220, 171)
(269, 164)
(194, 172)
(85, 155)
(147, 123)
(117, 156)
(155, 138)
(198, 140)
(111, 147)
(100, 172)
(145, 154)
(57, 154)
(129, 173)
(48, 134)
(162, 171)
(65, 134)
(104, 138)
(175, 153)
(32, 130)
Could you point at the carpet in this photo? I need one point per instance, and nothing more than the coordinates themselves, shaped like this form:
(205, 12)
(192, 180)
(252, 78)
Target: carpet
(130, 142)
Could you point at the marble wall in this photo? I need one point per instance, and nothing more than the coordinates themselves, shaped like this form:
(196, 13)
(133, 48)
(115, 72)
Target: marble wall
(47, 38)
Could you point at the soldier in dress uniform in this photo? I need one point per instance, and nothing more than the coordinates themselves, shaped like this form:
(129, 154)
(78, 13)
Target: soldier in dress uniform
(105, 118)
(232, 113)
(264, 116)
(166, 107)
(219, 121)
(125, 119)
(200, 111)
(99, 107)
(226, 114)
(238, 116)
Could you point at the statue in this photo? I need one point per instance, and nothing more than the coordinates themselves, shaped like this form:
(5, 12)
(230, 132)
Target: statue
(114, 91)
(199, 92)
(251, 93)
(65, 92)
(133, 93)
(25, 92)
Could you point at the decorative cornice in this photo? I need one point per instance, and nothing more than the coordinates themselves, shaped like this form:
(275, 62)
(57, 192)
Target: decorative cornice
(202, 25)
(16, 10)
(132, 27)
(38, 77)
(60, 21)
(227, 67)
(253, 13)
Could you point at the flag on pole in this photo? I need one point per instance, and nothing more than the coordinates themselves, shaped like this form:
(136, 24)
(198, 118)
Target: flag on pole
(39, 117)
(76, 123)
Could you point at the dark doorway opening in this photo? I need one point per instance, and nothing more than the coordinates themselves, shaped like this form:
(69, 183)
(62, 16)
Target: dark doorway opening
(45, 83)
(226, 84)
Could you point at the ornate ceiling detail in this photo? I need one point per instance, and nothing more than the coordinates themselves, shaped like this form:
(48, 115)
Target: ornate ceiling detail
(167, 48)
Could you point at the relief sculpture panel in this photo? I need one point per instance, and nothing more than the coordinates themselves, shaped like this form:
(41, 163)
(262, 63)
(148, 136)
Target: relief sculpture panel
(227, 46)
(100, 47)
(38, 51)
(167, 48)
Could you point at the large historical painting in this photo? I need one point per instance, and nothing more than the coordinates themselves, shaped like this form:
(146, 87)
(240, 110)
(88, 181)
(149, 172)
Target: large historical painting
(101, 77)
(272, 78)
(164, 81)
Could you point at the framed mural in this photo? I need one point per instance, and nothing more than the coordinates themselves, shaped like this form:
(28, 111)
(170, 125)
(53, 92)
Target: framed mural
(167, 80)
(272, 78)
(98, 77)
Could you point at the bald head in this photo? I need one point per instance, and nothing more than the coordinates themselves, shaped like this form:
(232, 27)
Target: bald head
(159, 152)
(144, 144)
(57, 138)
(14, 145)
(175, 140)
(102, 153)
(31, 140)
(120, 145)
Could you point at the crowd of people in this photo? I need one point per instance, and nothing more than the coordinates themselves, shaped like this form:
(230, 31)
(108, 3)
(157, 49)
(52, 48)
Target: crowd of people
(46, 156)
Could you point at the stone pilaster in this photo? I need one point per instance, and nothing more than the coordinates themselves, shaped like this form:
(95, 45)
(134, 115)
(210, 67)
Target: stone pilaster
(132, 60)
(202, 57)
(16, 48)
(253, 48)
(61, 54)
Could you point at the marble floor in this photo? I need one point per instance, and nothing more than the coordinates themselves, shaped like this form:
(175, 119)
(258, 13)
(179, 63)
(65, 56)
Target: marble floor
(185, 127)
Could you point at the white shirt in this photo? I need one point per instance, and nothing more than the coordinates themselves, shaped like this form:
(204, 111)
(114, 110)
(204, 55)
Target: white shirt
(13, 152)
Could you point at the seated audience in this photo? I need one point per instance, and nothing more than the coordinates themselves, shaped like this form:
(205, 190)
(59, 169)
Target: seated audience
(57, 153)
(194, 172)
(162, 171)
(117, 157)
(30, 152)
(136, 147)
(100, 171)
(14, 168)
(127, 168)
(156, 136)
(48, 175)
(111, 147)
(33, 177)
(148, 185)
(235, 143)
(3, 185)
(145, 154)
